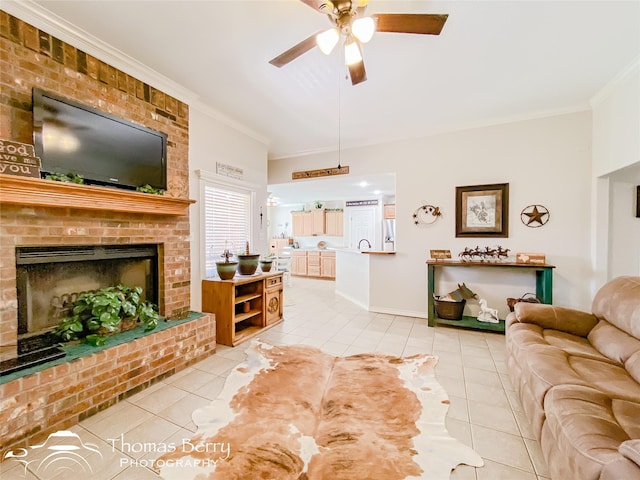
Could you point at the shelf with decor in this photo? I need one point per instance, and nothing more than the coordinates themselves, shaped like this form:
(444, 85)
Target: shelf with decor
(544, 289)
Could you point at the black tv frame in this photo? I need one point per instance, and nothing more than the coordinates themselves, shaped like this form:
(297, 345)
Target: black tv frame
(38, 118)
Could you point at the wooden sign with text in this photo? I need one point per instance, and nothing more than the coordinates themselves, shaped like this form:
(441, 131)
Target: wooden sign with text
(18, 159)
(440, 254)
(324, 172)
(532, 258)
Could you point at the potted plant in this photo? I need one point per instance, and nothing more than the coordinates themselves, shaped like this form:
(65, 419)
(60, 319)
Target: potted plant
(100, 313)
(227, 268)
(248, 262)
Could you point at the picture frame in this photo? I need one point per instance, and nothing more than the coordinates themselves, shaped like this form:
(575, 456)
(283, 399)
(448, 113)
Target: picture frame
(638, 201)
(482, 210)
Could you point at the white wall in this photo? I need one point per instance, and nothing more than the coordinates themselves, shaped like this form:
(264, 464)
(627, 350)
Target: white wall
(616, 123)
(546, 161)
(210, 141)
(624, 227)
(616, 170)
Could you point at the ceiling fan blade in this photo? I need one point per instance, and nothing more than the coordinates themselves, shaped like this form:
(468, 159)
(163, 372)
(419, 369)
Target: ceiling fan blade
(357, 73)
(423, 23)
(322, 6)
(294, 52)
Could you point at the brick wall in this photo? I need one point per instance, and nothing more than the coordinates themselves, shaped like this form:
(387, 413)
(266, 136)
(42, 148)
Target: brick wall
(30, 57)
(34, 406)
(54, 399)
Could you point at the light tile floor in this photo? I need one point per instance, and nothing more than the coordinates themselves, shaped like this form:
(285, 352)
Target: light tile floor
(484, 413)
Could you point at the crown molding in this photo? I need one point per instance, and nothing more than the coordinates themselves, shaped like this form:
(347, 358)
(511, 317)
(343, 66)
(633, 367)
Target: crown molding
(230, 122)
(38, 16)
(51, 23)
(614, 83)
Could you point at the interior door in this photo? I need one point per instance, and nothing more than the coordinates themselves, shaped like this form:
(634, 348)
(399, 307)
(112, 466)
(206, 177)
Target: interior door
(362, 226)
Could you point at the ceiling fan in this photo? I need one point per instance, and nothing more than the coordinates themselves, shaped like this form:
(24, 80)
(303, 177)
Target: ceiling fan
(350, 23)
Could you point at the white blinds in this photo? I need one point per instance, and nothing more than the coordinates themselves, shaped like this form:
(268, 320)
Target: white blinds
(227, 214)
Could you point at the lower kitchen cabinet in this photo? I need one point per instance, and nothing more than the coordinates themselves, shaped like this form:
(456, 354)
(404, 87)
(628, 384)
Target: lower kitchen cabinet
(314, 264)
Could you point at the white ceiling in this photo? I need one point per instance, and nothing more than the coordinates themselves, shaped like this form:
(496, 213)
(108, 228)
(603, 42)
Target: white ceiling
(494, 61)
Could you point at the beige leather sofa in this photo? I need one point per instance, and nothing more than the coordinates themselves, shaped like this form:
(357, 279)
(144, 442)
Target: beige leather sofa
(578, 377)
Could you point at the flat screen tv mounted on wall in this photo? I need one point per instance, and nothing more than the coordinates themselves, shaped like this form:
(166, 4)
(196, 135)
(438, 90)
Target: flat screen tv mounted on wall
(106, 150)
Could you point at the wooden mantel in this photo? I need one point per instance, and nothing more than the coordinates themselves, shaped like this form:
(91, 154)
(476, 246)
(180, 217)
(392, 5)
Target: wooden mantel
(47, 193)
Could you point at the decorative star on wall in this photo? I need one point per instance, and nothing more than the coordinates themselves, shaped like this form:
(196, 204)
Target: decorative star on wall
(534, 216)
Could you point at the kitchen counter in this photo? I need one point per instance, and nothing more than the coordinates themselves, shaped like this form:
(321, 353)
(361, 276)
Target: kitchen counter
(369, 252)
(354, 271)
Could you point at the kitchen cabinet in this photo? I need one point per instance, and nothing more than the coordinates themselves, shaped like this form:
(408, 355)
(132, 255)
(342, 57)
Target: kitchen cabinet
(328, 264)
(297, 223)
(389, 211)
(313, 264)
(334, 221)
(302, 224)
(299, 263)
(317, 221)
(244, 306)
(276, 244)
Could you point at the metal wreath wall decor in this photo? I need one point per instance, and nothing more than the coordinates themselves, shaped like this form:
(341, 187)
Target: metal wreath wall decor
(426, 214)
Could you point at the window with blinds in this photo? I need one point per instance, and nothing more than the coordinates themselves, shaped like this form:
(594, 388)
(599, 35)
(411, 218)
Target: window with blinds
(226, 224)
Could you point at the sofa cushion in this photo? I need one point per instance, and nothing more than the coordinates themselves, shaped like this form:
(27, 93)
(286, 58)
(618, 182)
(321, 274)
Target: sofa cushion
(631, 450)
(524, 335)
(617, 302)
(613, 342)
(632, 365)
(557, 318)
(583, 431)
(549, 366)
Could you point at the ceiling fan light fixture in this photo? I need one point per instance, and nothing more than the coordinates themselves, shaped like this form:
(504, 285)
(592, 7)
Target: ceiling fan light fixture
(352, 54)
(327, 40)
(363, 28)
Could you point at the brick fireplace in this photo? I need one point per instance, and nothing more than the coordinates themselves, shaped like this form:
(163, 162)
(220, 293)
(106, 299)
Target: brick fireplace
(41, 213)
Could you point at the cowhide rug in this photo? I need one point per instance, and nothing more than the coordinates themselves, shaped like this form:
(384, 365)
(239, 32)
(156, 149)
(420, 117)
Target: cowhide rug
(295, 412)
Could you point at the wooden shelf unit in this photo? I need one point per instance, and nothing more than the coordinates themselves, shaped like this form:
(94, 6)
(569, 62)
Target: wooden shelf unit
(544, 289)
(244, 305)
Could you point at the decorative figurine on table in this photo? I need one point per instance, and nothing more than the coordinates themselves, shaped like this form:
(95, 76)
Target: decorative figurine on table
(489, 315)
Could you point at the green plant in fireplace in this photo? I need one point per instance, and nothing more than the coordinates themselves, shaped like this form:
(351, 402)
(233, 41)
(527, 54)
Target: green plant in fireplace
(100, 313)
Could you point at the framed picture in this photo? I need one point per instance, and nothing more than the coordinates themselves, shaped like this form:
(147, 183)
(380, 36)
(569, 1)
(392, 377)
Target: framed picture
(638, 201)
(482, 210)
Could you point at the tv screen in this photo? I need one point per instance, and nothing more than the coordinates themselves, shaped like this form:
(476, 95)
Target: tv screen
(73, 138)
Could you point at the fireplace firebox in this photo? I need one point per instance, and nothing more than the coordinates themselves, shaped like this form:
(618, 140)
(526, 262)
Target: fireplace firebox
(49, 279)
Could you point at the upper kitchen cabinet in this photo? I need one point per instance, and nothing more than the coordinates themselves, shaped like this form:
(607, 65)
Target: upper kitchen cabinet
(317, 222)
(334, 220)
(389, 211)
(301, 224)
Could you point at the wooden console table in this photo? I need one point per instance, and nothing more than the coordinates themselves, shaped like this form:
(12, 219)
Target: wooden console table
(244, 306)
(544, 289)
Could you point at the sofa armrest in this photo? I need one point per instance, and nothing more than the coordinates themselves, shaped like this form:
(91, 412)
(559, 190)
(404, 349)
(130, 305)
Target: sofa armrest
(564, 319)
(631, 450)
